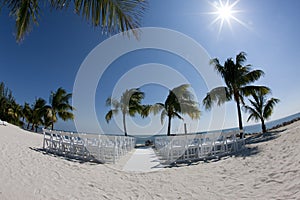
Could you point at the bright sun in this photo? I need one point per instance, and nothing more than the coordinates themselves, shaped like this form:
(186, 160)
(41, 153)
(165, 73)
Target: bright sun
(224, 11)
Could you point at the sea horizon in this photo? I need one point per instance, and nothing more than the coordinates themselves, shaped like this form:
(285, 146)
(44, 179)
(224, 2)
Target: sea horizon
(250, 129)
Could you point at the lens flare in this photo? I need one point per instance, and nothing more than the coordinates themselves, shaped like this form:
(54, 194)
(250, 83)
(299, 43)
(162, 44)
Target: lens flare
(225, 11)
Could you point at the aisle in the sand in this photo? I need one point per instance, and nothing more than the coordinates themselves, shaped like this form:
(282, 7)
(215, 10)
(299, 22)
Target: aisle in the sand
(142, 160)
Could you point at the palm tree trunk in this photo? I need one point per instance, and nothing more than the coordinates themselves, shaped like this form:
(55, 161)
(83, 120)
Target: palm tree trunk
(28, 126)
(124, 124)
(240, 118)
(52, 126)
(169, 126)
(263, 126)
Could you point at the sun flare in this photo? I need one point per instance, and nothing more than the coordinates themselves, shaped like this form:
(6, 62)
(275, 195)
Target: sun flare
(225, 11)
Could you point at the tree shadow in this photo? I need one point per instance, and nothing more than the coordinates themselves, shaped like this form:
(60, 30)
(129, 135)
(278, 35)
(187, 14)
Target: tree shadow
(246, 152)
(258, 138)
(69, 157)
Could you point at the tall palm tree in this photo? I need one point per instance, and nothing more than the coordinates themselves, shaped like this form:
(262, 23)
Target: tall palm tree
(129, 104)
(179, 101)
(38, 109)
(261, 108)
(59, 107)
(111, 15)
(27, 114)
(237, 78)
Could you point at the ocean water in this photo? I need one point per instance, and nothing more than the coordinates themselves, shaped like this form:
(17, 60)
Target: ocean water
(141, 139)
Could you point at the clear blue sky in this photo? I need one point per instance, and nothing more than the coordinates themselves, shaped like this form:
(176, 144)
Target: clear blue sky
(52, 53)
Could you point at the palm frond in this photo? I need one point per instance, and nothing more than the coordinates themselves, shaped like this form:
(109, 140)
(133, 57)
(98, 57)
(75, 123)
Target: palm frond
(252, 89)
(175, 114)
(240, 58)
(112, 16)
(112, 102)
(108, 116)
(25, 12)
(156, 108)
(217, 95)
(162, 116)
(190, 108)
(65, 115)
(252, 76)
(145, 111)
(268, 109)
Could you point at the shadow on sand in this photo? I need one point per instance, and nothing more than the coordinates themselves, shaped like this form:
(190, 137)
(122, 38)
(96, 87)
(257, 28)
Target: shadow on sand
(68, 157)
(246, 152)
(271, 135)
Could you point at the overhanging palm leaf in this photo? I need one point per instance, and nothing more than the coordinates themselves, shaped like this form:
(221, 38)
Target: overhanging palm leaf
(112, 15)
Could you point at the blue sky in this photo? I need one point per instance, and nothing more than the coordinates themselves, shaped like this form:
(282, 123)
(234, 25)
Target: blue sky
(52, 53)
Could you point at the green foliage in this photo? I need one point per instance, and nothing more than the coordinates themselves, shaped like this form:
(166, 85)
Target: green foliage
(238, 79)
(179, 101)
(37, 114)
(10, 111)
(261, 108)
(59, 107)
(112, 15)
(130, 103)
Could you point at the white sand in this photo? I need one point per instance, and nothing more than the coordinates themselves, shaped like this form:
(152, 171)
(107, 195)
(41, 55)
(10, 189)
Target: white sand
(271, 173)
(142, 160)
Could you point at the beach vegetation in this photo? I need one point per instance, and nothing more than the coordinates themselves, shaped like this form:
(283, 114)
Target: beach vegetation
(111, 15)
(238, 80)
(37, 113)
(260, 107)
(130, 104)
(10, 111)
(180, 100)
(59, 107)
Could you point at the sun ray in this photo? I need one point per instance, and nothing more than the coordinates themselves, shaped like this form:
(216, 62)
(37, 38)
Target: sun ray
(225, 14)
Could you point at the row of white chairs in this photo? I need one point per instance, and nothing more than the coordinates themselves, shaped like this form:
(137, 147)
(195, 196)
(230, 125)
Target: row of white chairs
(101, 148)
(182, 148)
(4, 123)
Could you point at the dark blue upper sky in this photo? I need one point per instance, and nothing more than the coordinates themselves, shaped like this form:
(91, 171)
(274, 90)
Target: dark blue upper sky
(52, 53)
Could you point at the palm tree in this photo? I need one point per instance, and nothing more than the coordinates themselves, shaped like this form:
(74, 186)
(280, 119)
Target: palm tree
(237, 78)
(27, 114)
(129, 104)
(111, 15)
(261, 108)
(6, 101)
(59, 107)
(14, 113)
(38, 109)
(179, 101)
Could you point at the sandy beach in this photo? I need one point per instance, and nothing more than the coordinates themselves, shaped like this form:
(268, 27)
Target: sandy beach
(267, 169)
